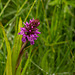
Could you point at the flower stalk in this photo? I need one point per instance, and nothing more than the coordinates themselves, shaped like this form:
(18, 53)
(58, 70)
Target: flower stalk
(21, 54)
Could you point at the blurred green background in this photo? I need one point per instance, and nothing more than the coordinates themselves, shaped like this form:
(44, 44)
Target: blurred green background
(54, 51)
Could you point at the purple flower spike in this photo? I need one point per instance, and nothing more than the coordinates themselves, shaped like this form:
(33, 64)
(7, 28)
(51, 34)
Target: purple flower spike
(30, 31)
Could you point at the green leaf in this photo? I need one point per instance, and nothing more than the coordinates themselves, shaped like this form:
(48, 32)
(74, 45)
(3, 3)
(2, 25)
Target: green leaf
(9, 65)
(52, 3)
(44, 63)
(16, 47)
(72, 3)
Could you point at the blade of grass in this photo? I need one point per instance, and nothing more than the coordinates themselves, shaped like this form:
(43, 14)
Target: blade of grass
(44, 62)
(9, 65)
(5, 7)
(62, 61)
(30, 10)
(16, 47)
(45, 17)
(58, 43)
(22, 6)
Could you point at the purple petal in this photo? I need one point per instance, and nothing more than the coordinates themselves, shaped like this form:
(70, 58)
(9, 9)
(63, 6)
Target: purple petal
(23, 29)
(24, 35)
(37, 32)
(24, 23)
(36, 35)
(27, 37)
(27, 23)
(21, 33)
(29, 30)
(31, 26)
(30, 38)
(37, 29)
(24, 38)
(38, 23)
(32, 42)
(30, 21)
(35, 38)
(31, 35)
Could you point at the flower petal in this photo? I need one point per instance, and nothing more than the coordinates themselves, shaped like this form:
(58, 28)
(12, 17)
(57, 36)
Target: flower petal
(32, 42)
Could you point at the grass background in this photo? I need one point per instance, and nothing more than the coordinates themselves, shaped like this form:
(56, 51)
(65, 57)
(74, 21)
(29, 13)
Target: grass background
(54, 51)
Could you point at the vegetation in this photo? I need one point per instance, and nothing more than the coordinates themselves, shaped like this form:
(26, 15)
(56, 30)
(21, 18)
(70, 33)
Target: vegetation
(53, 52)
